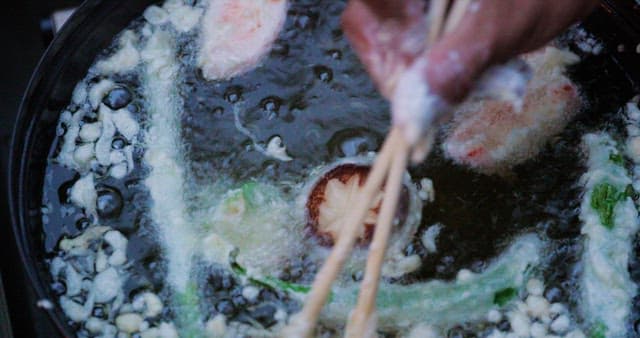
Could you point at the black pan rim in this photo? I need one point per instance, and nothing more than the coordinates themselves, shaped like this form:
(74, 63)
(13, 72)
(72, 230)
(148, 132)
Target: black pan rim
(19, 149)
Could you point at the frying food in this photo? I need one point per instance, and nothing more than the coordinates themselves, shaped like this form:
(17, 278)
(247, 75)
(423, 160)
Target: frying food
(492, 136)
(236, 34)
(339, 188)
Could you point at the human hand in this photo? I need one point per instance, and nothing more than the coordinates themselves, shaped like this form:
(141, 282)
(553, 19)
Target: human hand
(389, 36)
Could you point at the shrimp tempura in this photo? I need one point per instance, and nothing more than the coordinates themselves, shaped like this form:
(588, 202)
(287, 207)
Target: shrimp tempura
(491, 136)
(236, 34)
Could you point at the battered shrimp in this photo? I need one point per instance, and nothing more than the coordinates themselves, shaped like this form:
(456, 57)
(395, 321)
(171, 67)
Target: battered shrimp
(236, 34)
(491, 136)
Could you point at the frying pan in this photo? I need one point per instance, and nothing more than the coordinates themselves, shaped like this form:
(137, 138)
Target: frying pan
(90, 30)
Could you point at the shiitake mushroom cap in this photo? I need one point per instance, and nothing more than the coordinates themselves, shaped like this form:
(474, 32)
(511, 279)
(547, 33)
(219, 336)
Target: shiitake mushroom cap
(317, 197)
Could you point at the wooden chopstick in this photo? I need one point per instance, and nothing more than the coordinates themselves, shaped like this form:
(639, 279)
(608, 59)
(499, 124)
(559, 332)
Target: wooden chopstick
(327, 274)
(390, 166)
(437, 15)
(365, 307)
(456, 14)
(361, 317)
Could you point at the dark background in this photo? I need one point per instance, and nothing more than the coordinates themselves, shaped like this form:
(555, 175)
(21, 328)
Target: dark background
(23, 42)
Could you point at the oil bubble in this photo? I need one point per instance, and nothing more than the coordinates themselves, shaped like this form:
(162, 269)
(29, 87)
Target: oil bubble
(118, 143)
(352, 142)
(233, 94)
(117, 98)
(217, 111)
(271, 106)
(335, 54)
(65, 189)
(226, 307)
(323, 73)
(265, 314)
(109, 203)
(280, 48)
(83, 223)
(306, 20)
(59, 288)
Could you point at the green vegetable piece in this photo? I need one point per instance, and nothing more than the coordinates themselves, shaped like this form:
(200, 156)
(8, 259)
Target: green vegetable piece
(444, 303)
(267, 281)
(249, 191)
(604, 199)
(503, 296)
(187, 309)
(238, 269)
(279, 284)
(598, 330)
(616, 158)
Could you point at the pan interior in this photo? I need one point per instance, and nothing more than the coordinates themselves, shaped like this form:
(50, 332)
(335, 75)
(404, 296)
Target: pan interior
(312, 92)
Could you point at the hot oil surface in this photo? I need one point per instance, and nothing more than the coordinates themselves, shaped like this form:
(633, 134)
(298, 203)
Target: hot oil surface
(481, 213)
(313, 93)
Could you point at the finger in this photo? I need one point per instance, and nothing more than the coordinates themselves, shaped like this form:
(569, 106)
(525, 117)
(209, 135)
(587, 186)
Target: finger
(478, 41)
(552, 18)
(454, 63)
(385, 40)
(494, 31)
(360, 24)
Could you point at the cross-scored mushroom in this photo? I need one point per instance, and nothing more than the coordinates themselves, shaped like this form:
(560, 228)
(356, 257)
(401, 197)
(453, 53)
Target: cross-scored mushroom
(334, 194)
